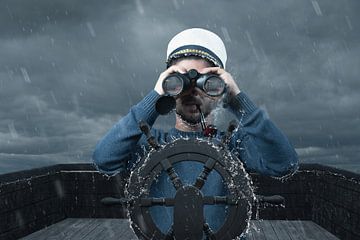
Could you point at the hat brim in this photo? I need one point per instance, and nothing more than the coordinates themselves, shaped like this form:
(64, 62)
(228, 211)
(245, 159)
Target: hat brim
(194, 50)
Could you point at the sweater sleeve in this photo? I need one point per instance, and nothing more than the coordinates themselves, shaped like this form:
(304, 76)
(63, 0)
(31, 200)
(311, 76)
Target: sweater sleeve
(258, 142)
(114, 151)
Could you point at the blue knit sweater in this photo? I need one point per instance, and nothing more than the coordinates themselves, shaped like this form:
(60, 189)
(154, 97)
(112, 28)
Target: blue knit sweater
(260, 145)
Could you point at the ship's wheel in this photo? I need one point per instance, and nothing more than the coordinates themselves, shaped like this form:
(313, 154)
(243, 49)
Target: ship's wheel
(189, 200)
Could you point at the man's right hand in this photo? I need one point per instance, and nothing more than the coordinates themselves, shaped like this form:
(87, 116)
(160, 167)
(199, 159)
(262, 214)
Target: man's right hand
(174, 68)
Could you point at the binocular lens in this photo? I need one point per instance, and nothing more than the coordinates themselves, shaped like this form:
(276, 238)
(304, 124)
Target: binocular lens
(173, 85)
(214, 86)
(176, 83)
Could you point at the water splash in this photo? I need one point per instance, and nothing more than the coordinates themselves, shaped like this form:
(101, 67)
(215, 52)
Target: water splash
(294, 168)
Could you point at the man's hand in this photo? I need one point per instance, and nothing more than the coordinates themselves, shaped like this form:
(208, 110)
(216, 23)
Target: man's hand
(228, 79)
(174, 68)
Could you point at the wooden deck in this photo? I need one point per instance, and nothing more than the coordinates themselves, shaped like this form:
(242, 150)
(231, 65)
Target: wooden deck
(288, 230)
(97, 228)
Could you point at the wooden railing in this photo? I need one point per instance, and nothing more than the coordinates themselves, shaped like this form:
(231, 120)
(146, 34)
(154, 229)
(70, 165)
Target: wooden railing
(33, 199)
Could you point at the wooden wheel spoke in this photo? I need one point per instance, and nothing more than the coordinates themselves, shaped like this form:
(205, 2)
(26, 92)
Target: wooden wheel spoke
(214, 200)
(168, 167)
(208, 167)
(149, 202)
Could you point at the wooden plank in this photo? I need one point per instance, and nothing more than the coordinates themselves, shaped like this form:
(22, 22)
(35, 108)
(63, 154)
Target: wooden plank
(110, 229)
(61, 230)
(292, 230)
(88, 226)
(284, 229)
(298, 224)
(78, 228)
(103, 231)
(311, 230)
(69, 230)
(93, 231)
(97, 228)
(124, 230)
(255, 231)
(52, 230)
(324, 233)
(280, 230)
(268, 230)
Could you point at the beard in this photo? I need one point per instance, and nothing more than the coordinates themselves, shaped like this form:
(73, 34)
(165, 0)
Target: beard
(191, 119)
(187, 109)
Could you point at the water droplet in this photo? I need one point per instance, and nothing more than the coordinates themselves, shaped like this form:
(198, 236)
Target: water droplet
(25, 75)
(91, 29)
(316, 7)
(226, 34)
(139, 7)
(12, 130)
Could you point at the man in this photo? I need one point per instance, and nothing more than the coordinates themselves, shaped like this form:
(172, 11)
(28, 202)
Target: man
(259, 144)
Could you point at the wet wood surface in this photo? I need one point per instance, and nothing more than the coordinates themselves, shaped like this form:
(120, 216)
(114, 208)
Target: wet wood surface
(97, 228)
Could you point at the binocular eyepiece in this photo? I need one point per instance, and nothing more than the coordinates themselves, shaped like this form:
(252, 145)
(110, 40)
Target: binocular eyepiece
(176, 83)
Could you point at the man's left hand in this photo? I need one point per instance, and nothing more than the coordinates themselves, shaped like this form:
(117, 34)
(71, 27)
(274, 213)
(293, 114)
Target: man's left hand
(228, 79)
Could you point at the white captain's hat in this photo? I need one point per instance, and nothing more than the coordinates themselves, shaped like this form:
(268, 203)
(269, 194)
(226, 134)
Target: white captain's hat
(197, 42)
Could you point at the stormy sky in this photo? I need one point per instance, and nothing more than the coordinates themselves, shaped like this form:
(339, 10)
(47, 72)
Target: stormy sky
(70, 69)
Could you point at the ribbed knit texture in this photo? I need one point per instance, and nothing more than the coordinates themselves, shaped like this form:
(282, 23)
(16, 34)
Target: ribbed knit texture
(148, 105)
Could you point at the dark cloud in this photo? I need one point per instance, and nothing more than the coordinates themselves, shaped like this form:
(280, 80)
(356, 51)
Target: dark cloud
(70, 69)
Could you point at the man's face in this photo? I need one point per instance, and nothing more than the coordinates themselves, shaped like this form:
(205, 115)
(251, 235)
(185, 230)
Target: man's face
(186, 102)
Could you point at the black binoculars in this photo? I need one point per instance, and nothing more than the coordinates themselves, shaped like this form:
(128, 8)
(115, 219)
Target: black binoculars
(176, 83)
